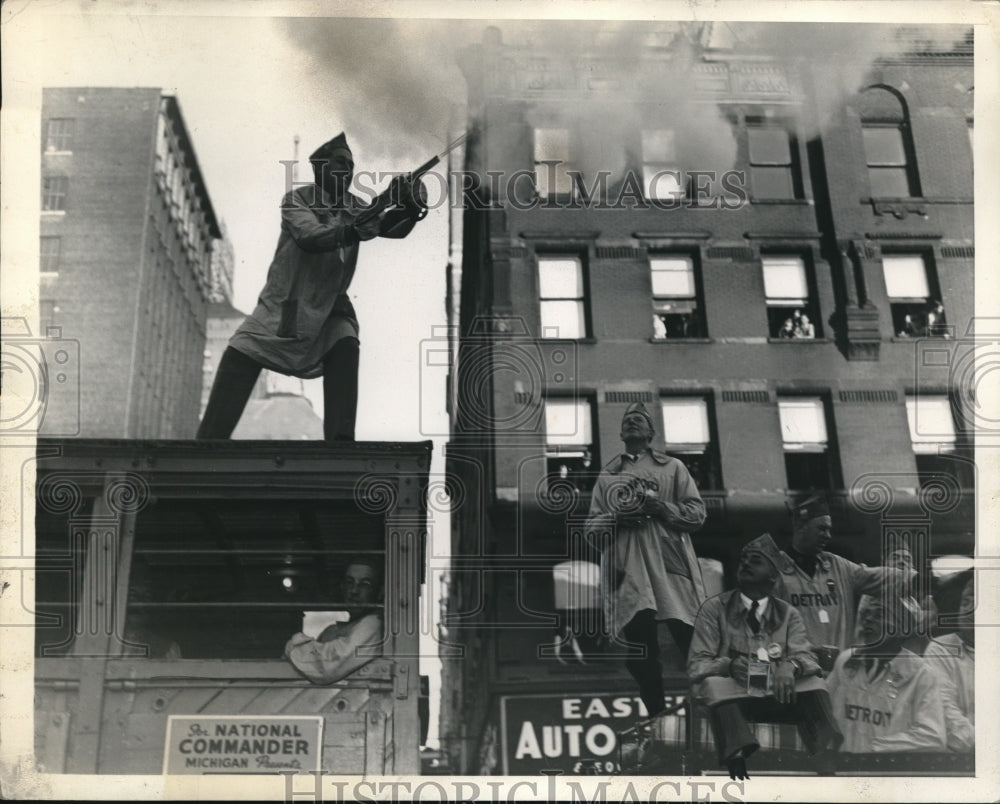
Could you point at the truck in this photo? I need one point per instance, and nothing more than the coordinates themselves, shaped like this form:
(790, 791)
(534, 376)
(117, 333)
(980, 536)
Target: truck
(169, 576)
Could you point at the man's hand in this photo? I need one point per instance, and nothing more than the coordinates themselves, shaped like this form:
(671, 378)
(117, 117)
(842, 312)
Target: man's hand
(652, 506)
(369, 229)
(738, 670)
(784, 683)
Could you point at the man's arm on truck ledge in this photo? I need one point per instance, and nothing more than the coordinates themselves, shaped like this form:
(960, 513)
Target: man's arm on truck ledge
(335, 654)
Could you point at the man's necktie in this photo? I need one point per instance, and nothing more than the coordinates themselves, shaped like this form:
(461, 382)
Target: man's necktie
(752, 618)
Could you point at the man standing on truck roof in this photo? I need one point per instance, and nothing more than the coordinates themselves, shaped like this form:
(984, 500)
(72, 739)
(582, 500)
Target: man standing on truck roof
(342, 647)
(304, 323)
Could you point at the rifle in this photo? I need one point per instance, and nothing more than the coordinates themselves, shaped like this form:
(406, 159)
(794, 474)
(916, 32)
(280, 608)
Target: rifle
(402, 193)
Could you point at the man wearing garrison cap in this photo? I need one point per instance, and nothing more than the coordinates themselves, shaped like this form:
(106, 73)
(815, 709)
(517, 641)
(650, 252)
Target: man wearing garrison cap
(304, 323)
(825, 587)
(885, 698)
(747, 634)
(644, 505)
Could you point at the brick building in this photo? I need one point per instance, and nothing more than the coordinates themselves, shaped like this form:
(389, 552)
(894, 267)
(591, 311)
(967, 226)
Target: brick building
(127, 236)
(853, 205)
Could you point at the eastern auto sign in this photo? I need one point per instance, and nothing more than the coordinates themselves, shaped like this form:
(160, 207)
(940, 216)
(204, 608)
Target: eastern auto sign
(572, 733)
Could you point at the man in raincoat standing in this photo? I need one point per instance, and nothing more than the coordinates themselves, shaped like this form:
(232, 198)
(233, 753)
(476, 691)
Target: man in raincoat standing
(644, 505)
(304, 324)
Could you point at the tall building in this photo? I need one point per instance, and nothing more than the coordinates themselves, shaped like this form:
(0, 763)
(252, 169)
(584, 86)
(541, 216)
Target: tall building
(223, 265)
(743, 186)
(127, 236)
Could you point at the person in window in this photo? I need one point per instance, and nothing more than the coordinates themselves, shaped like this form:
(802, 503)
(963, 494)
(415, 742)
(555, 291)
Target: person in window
(787, 329)
(885, 698)
(659, 330)
(643, 508)
(304, 324)
(805, 328)
(952, 658)
(823, 586)
(909, 329)
(936, 326)
(751, 660)
(344, 647)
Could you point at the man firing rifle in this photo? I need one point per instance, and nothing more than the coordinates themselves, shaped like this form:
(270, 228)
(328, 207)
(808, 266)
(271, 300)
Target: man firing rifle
(304, 323)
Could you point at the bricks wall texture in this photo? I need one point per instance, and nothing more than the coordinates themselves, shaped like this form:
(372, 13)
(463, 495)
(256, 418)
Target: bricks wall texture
(126, 290)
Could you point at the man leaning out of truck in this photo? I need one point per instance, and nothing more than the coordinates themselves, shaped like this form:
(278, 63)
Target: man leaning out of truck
(344, 647)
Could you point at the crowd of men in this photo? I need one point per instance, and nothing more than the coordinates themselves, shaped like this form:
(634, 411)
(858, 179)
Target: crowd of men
(807, 637)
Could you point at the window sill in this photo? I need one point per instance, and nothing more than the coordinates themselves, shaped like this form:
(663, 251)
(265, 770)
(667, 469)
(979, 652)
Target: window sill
(913, 199)
(920, 338)
(681, 340)
(567, 340)
(794, 202)
(54, 152)
(53, 213)
(798, 340)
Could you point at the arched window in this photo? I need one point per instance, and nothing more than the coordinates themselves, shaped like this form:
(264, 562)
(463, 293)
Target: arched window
(889, 155)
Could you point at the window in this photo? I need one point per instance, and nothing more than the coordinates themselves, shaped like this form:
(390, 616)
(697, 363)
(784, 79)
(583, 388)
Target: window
(916, 308)
(233, 579)
(569, 445)
(885, 131)
(49, 254)
(58, 134)
(577, 587)
(677, 309)
(934, 440)
(662, 178)
(47, 309)
(54, 193)
(773, 157)
(790, 310)
(885, 154)
(552, 162)
(687, 434)
(561, 294)
(809, 463)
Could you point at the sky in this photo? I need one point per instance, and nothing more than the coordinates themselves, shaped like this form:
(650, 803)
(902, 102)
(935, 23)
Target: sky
(247, 85)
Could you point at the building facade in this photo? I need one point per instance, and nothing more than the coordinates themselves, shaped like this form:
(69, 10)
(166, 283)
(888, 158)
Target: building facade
(127, 238)
(769, 189)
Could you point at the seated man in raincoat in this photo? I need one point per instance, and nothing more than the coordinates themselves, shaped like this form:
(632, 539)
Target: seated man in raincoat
(750, 659)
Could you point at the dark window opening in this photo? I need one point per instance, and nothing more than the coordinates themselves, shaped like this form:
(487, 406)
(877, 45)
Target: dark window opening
(571, 462)
(810, 458)
(807, 471)
(217, 579)
(688, 436)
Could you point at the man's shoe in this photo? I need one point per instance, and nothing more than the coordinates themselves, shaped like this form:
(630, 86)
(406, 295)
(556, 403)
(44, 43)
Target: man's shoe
(737, 768)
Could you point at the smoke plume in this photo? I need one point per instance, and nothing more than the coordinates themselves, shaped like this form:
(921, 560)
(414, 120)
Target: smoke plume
(401, 81)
